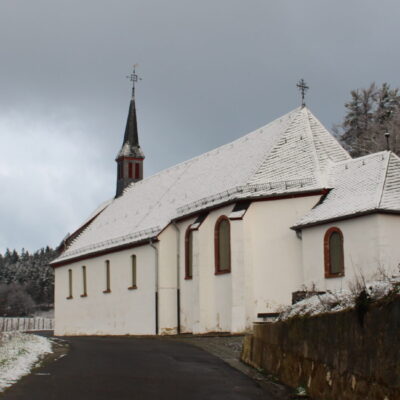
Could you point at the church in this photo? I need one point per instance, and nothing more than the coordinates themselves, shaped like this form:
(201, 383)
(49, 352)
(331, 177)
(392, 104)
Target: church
(215, 243)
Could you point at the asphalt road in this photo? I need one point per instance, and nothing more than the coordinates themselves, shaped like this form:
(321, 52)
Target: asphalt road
(122, 368)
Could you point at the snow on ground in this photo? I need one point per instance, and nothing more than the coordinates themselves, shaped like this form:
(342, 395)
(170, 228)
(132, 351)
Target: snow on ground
(333, 301)
(19, 353)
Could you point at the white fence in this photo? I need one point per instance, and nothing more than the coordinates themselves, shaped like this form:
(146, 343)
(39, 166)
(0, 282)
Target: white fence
(26, 324)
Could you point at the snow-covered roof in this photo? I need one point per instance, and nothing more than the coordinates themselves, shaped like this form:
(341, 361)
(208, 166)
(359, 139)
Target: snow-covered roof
(361, 185)
(291, 154)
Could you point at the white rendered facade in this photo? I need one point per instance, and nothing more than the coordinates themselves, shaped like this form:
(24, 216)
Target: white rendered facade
(120, 312)
(370, 248)
(293, 183)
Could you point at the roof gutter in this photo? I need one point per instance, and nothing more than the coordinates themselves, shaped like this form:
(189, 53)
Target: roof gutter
(305, 193)
(292, 195)
(344, 217)
(99, 253)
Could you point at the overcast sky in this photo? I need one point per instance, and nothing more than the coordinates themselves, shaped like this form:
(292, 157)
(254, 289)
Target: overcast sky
(212, 71)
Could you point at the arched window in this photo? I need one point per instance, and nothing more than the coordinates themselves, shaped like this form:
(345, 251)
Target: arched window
(189, 253)
(333, 252)
(222, 246)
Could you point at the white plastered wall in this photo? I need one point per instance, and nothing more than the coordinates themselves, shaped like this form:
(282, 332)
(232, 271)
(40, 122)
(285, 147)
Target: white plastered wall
(370, 244)
(213, 309)
(206, 299)
(120, 312)
(167, 281)
(189, 290)
(389, 242)
(273, 253)
(230, 302)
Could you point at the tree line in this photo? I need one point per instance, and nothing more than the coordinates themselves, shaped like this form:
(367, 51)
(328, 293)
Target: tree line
(26, 281)
(372, 121)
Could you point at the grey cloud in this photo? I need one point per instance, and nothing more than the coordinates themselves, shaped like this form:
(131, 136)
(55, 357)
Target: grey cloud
(212, 71)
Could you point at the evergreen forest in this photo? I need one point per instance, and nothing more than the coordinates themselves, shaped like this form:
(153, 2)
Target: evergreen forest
(26, 282)
(372, 121)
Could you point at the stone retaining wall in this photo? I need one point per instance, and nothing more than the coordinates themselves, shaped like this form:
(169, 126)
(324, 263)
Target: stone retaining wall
(340, 356)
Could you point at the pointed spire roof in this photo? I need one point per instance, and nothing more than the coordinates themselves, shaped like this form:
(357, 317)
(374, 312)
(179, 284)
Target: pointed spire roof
(131, 131)
(130, 146)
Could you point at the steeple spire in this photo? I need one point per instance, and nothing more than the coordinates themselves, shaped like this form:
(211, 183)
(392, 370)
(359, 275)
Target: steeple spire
(131, 131)
(130, 157)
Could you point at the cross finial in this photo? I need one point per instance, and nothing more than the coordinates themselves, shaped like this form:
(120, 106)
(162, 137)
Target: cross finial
(133, 77)
(303, 89)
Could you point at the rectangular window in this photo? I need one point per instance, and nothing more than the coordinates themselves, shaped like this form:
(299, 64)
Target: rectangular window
(333, 253)
(137, 171)
(189, 254)
(336, 253)
(108, 278)
(84, 287)
(133, 272)
(222, 246)
(69, 284)
(130, 170)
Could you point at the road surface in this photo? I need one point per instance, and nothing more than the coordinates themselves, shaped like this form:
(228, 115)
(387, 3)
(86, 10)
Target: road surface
(122, 368)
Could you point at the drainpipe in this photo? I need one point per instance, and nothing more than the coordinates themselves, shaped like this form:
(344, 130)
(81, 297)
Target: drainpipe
(178, 290)
(156, 281)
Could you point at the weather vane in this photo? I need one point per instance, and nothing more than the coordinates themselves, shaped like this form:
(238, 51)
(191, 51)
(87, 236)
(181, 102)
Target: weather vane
(303, 89)
(133, 77)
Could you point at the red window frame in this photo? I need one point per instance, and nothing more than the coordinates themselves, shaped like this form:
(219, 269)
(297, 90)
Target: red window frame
(188, 261)
(130, 170)
(218, 270)
(137, 171)
(327, 253)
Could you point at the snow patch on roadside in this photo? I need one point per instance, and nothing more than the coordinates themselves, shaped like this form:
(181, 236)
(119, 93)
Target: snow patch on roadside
(338, 300)
(19, 353)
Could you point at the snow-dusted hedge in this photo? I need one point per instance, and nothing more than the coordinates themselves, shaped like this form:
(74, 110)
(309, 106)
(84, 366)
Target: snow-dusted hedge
(19, 353)
(333, 301)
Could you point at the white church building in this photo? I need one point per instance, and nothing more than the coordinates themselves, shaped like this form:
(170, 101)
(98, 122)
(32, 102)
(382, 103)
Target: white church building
(216, 242)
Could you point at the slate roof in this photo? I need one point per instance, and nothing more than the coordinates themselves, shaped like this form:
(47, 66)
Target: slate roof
(289, 155)
(362, 185)
(130, 146)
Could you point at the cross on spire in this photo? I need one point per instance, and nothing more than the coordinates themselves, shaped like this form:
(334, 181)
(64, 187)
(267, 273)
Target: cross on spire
(133, 77)
(303, 89)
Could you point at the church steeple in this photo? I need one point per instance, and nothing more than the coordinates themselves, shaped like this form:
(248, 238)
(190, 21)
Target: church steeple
(130, 157)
